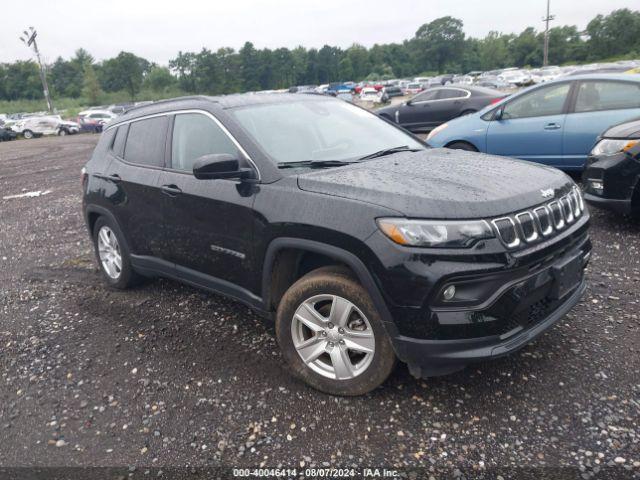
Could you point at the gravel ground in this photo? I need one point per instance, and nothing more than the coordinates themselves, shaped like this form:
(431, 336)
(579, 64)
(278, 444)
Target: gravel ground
(168, 376)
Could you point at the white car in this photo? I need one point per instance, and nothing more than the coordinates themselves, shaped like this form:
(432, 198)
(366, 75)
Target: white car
(50, 125)
(516, 78)
(99, 115)
(369, 94)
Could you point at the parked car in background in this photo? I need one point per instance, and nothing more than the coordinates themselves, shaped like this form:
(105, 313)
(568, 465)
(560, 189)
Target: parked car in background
(413, 88)
(31, 127)
(432, 107)
(94, 120)
(7, 134)
(462, 80)
(494, 82)
(516, 77)
(555, 123)
(612, 177)
(392, 91)
(370, 94)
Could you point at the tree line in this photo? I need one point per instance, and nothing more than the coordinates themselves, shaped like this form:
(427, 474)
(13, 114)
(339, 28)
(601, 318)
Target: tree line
(437, 47)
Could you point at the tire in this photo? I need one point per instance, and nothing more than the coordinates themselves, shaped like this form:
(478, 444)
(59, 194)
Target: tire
(359, 371)
(467, 112)
(62, 132)
(122, 276)
(462, 146)
(28, 134)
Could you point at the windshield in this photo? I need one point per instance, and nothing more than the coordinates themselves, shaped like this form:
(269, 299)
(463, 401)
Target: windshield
(319, 130)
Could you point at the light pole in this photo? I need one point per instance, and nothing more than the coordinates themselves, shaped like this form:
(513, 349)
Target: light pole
(547, 19)
(29, 39)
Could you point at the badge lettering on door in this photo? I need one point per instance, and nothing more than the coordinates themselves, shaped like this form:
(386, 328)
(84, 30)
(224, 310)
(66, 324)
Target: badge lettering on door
(228, 251)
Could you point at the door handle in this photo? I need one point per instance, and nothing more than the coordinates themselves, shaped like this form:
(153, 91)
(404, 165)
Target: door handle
(551, 126)
(171, 190)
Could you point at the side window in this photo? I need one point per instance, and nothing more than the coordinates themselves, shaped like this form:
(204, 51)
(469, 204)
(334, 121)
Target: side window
(541, 102)
(447, 93)
(602, 95)
(146, 142)
(195, 135)
(118, 142)
(426, 96)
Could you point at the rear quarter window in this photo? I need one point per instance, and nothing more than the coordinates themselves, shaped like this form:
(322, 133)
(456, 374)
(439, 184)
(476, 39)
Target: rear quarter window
(145, 144)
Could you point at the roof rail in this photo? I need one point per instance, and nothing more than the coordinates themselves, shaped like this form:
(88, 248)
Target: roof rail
(167, 100)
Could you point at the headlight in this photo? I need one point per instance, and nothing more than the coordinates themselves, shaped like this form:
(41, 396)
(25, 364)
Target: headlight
(435, 233)
(437, 130)
(610, 147)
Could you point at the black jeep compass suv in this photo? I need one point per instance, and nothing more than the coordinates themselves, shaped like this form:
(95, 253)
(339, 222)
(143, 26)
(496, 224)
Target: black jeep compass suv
(365, 244)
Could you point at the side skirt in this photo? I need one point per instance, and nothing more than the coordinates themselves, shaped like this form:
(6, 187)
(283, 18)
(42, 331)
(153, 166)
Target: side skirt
(153, 266)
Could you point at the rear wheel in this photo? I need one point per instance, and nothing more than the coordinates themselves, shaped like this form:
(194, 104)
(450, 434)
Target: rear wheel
(62, 132)
(332, 335)
(112, 254)
(462, 146)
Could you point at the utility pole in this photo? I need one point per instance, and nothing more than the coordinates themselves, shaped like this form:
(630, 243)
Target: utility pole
(29, 39)
(547, 19)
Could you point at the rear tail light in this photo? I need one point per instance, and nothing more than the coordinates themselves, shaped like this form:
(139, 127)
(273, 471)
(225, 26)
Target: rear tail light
(496, 100)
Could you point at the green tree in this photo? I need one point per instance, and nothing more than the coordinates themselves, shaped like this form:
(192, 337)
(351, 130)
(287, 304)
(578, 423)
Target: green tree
(124, 72)
(90, 85)
(439, 44)
(249, 67)
(159, 79)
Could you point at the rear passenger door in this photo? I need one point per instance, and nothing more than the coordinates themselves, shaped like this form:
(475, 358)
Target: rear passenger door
(598, 105)
(135, 198)
(209, 223)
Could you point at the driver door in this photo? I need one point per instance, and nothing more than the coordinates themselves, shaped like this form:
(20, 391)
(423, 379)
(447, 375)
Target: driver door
(208, 223)
(532, 126)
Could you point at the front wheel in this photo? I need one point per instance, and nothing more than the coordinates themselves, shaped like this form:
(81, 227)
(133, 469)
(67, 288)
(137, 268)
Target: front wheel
(28, 134)
(62, 132)
(332, 335)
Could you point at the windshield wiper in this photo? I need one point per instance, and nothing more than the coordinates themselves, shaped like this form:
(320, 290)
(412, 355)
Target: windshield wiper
(389, 151)
(314, 163)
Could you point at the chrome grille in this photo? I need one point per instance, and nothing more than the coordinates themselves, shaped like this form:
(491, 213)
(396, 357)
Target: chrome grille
(530, 226)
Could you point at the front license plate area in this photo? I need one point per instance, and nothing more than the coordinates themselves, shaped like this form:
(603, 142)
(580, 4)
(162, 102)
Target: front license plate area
(567, 275)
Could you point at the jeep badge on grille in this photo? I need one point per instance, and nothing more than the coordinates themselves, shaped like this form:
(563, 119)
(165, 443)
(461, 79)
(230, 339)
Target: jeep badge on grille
(547, 193)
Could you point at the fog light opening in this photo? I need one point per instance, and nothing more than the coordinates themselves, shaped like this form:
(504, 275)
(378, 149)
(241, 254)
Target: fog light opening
(449, 292)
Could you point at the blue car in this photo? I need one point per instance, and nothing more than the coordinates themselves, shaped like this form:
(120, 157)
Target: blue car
(556, 123)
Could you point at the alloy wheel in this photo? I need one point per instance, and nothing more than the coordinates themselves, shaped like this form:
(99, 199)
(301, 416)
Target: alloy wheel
(109, 252)
(333, 337)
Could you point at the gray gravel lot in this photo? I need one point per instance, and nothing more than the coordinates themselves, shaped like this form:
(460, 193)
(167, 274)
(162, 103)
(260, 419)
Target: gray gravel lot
(166, 375)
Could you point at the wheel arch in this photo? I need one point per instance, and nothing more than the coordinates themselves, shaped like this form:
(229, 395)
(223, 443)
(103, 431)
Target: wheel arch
(278, 251)
(448, 144)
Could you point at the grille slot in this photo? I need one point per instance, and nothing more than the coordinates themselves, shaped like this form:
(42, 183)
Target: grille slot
(543, 215)
(507, 231)
(528, 226)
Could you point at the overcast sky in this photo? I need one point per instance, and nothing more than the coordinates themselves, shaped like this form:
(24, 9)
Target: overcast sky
(157, 29)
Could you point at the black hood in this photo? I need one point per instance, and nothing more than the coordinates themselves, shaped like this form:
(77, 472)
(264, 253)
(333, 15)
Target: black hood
(441, 183)
(624, 130)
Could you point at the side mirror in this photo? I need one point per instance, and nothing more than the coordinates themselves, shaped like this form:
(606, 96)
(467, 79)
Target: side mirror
(408, 103)
(217, 166)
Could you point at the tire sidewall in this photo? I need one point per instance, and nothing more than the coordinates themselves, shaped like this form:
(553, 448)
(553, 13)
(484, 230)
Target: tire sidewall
(126, 276)
(28, 134)
(334, 283)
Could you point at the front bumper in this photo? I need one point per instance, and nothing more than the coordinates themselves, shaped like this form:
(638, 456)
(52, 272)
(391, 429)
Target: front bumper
(428, 358)
(506, 300)
(618, 175)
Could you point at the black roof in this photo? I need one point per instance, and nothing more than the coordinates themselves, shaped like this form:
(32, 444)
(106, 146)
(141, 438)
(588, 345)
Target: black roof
(223, 101)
